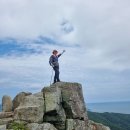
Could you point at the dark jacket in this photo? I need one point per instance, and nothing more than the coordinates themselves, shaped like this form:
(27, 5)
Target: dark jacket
(54, 60)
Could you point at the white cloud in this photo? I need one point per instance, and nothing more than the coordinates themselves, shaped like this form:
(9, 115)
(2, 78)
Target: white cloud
(100, 29)
(29, 19)
(33, 71)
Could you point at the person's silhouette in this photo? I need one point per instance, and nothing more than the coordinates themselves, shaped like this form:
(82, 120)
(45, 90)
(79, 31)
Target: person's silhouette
(53, 61)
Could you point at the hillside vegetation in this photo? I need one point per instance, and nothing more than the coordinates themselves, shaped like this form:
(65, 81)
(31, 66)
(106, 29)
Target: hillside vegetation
(115, 121)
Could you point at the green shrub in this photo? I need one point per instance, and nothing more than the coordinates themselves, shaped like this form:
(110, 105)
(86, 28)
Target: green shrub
(18, 126)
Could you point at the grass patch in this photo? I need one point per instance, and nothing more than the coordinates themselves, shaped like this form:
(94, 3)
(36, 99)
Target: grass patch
(17, 126)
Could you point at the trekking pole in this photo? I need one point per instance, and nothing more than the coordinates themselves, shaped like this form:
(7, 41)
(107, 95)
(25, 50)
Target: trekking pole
(51, 77)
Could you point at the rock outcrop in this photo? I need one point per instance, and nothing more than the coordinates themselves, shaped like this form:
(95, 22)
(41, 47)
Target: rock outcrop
(60, 106)
(6, 104)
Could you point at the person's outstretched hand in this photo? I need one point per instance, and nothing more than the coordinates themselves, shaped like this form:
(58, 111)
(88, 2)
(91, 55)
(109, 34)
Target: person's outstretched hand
(62, 52)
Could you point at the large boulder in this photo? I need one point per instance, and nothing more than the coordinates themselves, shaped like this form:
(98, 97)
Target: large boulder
(2, 127)
(75, 124)
(19, 98)
(31, 109)
(53, 98)
(44, 126)
(6, 104)
(54, 111)
(73, 100)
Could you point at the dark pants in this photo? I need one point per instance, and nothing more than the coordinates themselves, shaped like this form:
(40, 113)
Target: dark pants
(56, 77)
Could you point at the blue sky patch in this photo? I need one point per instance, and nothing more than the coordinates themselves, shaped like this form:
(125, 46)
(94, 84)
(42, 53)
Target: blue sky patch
(10, 46)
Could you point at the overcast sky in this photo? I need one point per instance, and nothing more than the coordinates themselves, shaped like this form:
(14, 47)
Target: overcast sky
(95, 35)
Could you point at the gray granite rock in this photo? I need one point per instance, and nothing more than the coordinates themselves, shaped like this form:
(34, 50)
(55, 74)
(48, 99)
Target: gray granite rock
(73, 100)
(6, 114)
(2, 127)
(19, 98)
(44, 126)
(75, 124)
(6, 121)
(97, 126)
(31, 109)
(54, 111)
(60, 106)
(6, 104)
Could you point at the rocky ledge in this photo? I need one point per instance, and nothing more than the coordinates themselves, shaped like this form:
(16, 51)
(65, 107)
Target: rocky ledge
(60, 106)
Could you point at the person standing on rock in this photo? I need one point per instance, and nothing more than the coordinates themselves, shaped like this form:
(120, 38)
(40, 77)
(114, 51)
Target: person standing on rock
(53, 61)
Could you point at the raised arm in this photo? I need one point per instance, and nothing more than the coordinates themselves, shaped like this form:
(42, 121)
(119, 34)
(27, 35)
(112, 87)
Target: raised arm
(61, 53)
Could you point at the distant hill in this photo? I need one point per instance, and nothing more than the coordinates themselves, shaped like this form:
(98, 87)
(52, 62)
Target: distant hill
(115, 121)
